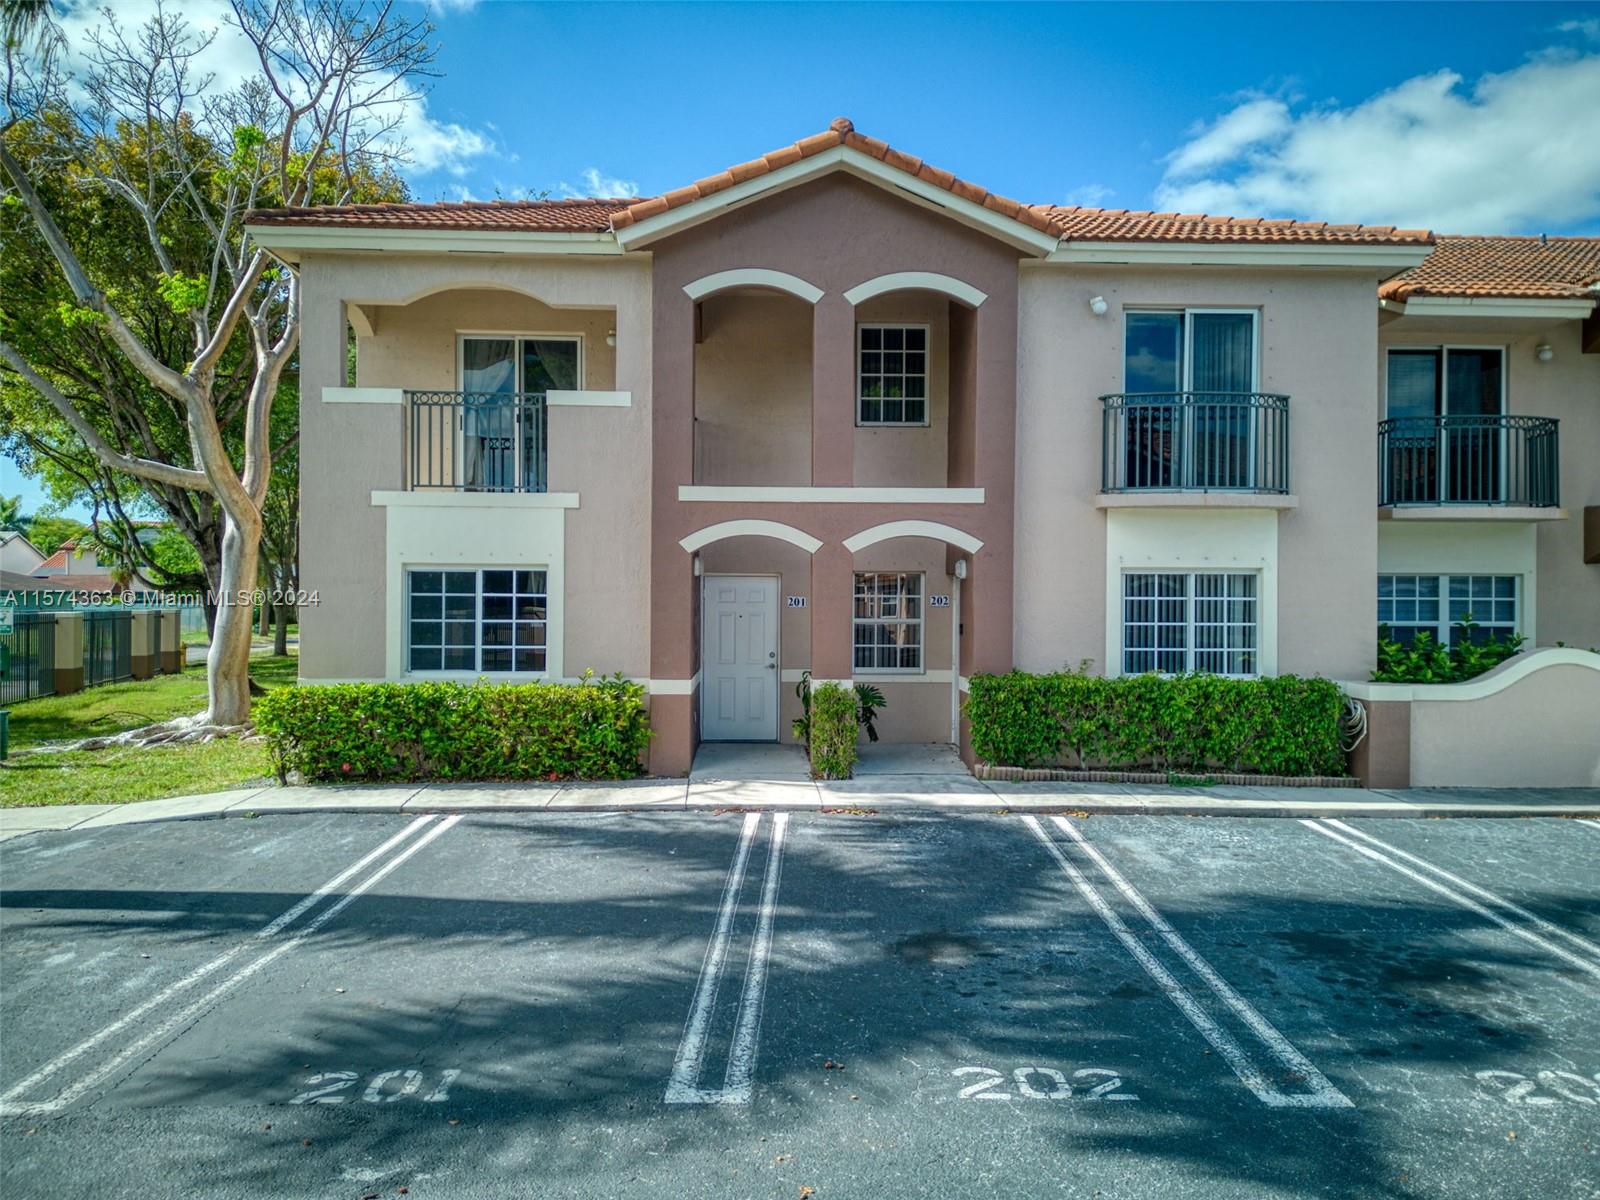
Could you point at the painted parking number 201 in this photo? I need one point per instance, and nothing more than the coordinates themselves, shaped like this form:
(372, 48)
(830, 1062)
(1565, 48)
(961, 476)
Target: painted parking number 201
(383, 1088)
(1042, 1083)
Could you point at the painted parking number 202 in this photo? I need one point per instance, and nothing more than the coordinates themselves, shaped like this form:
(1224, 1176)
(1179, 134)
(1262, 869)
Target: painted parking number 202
(1042, 1083)
(385, 1087)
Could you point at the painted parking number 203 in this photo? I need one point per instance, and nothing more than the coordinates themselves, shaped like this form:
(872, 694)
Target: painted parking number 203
(1042, 1083)
(327, 1087)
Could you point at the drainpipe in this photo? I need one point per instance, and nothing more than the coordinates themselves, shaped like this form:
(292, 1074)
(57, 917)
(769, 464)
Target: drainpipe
(960, 573)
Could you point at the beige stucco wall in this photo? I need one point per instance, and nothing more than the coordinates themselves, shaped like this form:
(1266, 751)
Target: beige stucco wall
(752, 390)
(1541, 731)
(1567, 388)
(1318, 344)
(348, 451)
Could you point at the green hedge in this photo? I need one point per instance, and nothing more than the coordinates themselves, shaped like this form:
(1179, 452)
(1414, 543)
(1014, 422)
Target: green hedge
(376, 731)
(833, 731)
(1285, 725)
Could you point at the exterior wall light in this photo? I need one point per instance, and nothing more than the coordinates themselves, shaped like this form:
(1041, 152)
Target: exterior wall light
(1098, 306)
(1545, 352)
(611, 337)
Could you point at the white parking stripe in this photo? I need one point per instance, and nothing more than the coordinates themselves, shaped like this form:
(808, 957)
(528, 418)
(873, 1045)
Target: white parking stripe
(1322, 1093)
(1482, 893)
(1450, 893)
(742, 1057)
(683, 1086)
(8, 1104)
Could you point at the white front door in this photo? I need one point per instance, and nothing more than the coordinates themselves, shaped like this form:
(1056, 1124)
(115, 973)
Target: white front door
(739, 659)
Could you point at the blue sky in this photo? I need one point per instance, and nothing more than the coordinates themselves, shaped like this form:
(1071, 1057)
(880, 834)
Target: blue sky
(1465, 118)
(1053, 102)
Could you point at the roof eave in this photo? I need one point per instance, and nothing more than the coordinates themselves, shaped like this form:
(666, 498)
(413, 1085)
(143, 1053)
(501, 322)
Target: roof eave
(1362, 255)
(1558, 308)
(290, 242)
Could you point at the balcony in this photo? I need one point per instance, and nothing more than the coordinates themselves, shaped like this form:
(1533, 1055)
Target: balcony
(476, 441)
(1228, 442)
(1495, 461)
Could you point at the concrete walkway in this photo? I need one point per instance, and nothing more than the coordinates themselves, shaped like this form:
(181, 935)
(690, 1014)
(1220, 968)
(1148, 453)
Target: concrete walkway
(726, 783)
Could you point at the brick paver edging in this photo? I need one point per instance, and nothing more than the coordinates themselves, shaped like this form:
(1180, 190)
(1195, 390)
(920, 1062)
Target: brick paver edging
(999, 774)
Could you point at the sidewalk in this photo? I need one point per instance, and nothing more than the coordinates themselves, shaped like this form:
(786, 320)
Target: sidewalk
(877, 792)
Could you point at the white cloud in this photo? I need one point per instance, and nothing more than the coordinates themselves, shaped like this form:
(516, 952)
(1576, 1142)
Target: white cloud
(1589, 28)
(1514, 152)
(1090, 195)
(597, 184)
(431, 145)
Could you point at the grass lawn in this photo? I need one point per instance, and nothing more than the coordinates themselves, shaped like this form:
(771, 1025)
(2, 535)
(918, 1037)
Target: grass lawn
(116, 776)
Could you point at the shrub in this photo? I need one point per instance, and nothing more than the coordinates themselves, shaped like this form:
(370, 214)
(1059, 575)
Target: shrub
(1285, 725)
(1425, 661)
(868, 701)
(378, 731)
(833, 731)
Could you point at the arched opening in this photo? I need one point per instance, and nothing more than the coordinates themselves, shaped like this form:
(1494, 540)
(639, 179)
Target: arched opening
(752, 387)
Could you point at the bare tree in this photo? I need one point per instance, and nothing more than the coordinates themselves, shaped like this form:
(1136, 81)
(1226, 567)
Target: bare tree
(334, 78)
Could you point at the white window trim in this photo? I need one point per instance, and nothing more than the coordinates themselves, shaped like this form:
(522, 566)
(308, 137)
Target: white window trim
(1188, 618)
(927, 375)
(921, 622)
(1443, 626)
(407, 673)
(1186, 368)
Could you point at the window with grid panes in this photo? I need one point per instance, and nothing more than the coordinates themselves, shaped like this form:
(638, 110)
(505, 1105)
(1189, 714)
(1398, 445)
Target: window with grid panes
(486, 621)
(892, 375)
(1411, 604)
(888, 621)
(1178, 621)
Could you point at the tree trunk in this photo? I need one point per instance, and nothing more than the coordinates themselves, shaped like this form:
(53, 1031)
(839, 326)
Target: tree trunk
(228, 665)
(280, 631)
(211, 562)
(264, 626)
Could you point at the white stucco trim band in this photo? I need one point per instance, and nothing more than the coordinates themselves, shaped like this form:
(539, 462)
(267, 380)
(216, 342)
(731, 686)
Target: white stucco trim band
(926, 281)
(1195, 500)
(705, 493)
(1512, 671)
(363, 395)
(926, 529)
(1470, 512)
(444, 499)
(588, 399)
(753, 277)
(750, 528)
(673, 687)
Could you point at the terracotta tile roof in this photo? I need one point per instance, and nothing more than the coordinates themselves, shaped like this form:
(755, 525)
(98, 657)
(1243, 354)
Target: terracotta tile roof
(840, 133)
(595, 216)
(529, 216)
(1507, 267)
(1122, 225)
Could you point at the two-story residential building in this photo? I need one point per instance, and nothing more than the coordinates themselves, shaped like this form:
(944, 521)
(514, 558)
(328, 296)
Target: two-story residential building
(836, 410)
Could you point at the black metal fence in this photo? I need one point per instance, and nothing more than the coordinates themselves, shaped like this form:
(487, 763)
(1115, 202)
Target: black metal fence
(30, 658)
(1497, 459)
(477, 441)
(1195, 441)
(107, 647)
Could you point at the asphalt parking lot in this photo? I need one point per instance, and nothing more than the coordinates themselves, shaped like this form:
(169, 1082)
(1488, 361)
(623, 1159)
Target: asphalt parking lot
(753, 1004)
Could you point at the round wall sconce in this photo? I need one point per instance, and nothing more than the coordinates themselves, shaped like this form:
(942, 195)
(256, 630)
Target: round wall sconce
(611, 337)
(1098, 306)
(1545, 352)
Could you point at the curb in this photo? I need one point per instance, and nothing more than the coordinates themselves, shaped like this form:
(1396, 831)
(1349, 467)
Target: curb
(1002, 774)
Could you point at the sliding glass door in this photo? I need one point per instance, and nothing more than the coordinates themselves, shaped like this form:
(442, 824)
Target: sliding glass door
(1445, 436)
(503, 424)
(1190, 377)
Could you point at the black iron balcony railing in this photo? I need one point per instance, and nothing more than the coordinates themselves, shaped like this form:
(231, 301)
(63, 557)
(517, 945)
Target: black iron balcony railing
(1195, 442)
(1506, 460)
(476, 441)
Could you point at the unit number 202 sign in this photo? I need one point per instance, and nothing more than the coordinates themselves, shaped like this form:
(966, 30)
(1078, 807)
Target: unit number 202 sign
(938, 601)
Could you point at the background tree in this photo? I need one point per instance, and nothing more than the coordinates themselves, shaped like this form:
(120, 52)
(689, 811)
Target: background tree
(333, 78)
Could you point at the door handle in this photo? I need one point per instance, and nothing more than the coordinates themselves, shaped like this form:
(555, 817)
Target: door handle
(772, 666)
